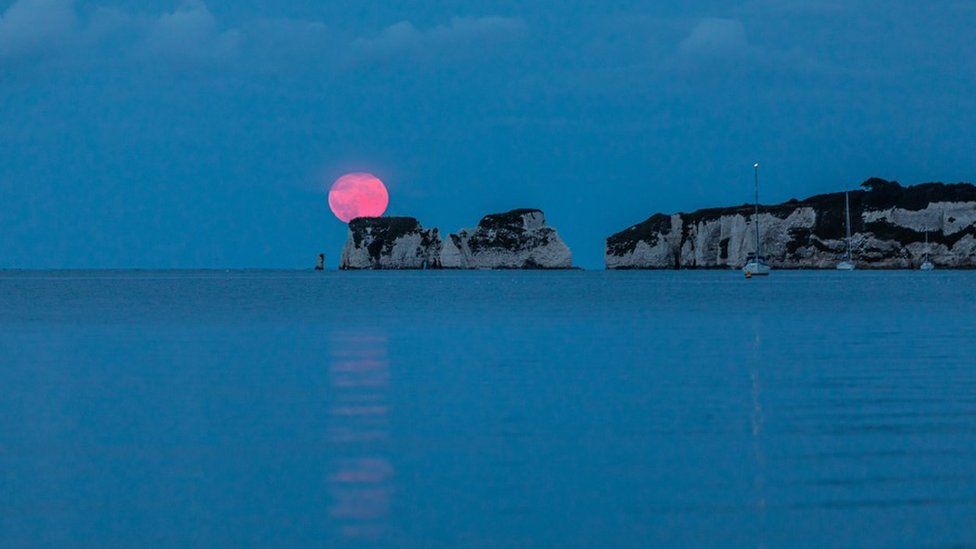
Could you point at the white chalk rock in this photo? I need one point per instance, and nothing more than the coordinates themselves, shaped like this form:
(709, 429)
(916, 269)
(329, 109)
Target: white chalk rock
(888, 224)
(519, 239)
(390, 243)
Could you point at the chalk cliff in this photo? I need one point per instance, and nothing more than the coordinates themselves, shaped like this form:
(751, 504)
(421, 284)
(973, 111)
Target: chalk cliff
(519, 239)
(888, 224)
(390, 243)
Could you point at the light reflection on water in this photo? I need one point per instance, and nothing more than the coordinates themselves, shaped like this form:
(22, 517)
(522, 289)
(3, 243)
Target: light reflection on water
(755, 368)
(361, 478)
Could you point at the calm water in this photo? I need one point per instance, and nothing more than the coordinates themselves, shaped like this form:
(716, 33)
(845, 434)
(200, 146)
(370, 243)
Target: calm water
(487, 409)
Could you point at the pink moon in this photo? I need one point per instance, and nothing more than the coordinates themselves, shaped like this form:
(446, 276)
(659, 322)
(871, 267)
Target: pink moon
(358, 195)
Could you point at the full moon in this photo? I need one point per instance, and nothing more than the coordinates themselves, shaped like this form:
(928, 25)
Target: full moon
(358, 195)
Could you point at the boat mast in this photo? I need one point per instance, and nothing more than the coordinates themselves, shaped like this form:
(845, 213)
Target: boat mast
(847, 222)
(758, 251)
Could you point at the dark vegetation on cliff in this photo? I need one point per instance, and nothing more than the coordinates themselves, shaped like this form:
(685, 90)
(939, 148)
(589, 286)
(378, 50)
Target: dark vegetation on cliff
(510, 219)
(626, 240)
(876, 194)
(505, 231)
(385, 232)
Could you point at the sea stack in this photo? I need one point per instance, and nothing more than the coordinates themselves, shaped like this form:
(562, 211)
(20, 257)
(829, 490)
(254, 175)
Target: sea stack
(519, 239)
(888, 224)
(390, 243)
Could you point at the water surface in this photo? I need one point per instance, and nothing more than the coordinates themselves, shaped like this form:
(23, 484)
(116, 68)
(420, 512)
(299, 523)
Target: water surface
(487, 408)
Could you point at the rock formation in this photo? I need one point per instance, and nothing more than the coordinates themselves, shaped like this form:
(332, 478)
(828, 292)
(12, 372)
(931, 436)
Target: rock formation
(888, 224)
(390, 243)
(519, 239)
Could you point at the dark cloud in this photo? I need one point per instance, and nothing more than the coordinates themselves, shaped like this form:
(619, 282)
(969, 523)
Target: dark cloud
(716, 37)
(31, 27)
(191, 34)
(461, 35)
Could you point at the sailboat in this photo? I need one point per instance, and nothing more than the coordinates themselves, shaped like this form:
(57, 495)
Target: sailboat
(755, 262)
(847, 264)
(927, 265)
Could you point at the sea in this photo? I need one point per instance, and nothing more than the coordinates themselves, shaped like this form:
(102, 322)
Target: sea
(487, 409)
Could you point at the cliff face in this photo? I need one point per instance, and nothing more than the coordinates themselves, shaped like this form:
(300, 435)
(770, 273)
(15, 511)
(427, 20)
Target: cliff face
(390, 243)
(888, 225)
(519, 239)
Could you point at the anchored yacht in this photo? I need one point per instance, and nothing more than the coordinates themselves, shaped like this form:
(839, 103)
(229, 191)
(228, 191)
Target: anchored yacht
(755, 262)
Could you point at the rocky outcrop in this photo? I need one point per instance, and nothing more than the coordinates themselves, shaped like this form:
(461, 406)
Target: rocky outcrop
(519, 239)
(390, 243)
(888, 224)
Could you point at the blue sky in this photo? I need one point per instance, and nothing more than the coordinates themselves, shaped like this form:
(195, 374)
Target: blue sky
(204, 134)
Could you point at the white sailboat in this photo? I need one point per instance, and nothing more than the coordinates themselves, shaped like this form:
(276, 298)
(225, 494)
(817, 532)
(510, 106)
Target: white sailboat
(926, 264)
(847, 264)
(756, 262)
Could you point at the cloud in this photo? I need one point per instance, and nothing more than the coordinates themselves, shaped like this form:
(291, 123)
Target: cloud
(714, 37)
(278, 44)
(471, 30)
(30, 27)
(715, 44)
(191, 34)
(290, 35)
(52, 28)
(462, 35)
(796, 7)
